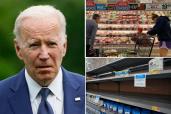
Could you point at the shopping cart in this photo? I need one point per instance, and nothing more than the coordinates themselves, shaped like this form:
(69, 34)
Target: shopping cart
(114, 50)
(143, 47)
(108, 49)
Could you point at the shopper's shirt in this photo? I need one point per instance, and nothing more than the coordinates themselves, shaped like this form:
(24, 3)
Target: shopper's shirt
(91, 29)
(55, 99)
(162, 29)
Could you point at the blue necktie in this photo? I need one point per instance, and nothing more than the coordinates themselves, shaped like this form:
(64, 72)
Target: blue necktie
(44, 107)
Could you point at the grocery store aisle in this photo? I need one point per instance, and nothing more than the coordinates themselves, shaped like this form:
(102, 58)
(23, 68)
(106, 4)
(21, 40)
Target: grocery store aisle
(129, 86)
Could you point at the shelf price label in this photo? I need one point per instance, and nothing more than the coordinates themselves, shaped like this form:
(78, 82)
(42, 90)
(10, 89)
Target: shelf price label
(140, 80)
(97, 99)
(117, 100)
(155, 108)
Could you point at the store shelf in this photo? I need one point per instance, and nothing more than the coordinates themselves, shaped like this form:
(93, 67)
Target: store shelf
(155, 103)
(133, 64)
(94, 106)
(162, 75)
(118, 27)
(119, 65)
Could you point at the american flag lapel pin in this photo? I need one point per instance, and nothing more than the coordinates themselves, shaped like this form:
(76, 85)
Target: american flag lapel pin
(77, 99)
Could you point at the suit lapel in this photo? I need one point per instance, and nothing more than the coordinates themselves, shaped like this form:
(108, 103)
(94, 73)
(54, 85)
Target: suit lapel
(71, 93)
(20, 100)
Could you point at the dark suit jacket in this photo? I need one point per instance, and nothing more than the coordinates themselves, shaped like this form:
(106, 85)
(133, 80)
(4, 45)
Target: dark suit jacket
(14, 94)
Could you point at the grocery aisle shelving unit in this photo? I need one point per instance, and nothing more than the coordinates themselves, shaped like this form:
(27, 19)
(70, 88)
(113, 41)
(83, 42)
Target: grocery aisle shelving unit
(156, 96)
(120, 20)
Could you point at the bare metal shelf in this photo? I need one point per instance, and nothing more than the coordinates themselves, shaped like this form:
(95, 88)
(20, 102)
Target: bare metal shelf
(154, 103)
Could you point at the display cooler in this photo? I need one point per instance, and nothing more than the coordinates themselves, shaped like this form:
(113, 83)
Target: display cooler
(120, 21)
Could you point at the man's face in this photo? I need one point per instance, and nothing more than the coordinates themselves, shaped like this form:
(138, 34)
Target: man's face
(41, 48)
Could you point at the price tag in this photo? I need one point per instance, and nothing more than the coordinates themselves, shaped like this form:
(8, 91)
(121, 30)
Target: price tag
(97, 99)
(140, 80)
(117, 100)
(155, 108)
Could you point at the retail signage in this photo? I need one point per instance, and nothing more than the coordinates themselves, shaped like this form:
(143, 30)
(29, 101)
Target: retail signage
(153, 6)
(122, 8)
(140, 80)
(133, 6)
(111, 1)
(146, 1)
(166, 6)
(155, 65)
(90, 3)
(132, 1)
(111, 6)
(122, 3)
(101, 1)
(141, 6)
(100, 7)
(122, 73)
(91, 8)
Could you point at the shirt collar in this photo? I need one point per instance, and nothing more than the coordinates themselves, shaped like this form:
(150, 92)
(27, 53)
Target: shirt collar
(56, 86)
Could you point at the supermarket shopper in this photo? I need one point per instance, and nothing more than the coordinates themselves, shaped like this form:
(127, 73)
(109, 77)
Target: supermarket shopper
(43, 86)
(91, 29)
(163, 30)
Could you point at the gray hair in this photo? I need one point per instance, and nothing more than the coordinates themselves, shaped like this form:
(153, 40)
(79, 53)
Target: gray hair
(38, 11)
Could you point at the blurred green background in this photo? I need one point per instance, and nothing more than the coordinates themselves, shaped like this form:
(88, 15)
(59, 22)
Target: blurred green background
(74, 13)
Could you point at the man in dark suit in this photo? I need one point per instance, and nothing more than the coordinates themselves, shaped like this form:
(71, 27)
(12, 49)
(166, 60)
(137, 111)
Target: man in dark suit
(43, 86)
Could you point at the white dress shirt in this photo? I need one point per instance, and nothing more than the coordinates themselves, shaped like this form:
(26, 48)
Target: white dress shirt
(55, 99)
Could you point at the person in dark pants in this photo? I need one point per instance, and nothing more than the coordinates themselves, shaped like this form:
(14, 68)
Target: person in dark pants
(163, 30)
(91, 29)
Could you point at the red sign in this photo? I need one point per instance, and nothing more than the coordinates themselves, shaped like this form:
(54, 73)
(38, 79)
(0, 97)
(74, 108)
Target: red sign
(90, 3)
(111, 5)
(122, 3)
(131, 1)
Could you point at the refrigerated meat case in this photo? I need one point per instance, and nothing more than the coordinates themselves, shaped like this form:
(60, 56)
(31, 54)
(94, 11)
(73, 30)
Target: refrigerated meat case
(104, 84)
(116, 29)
